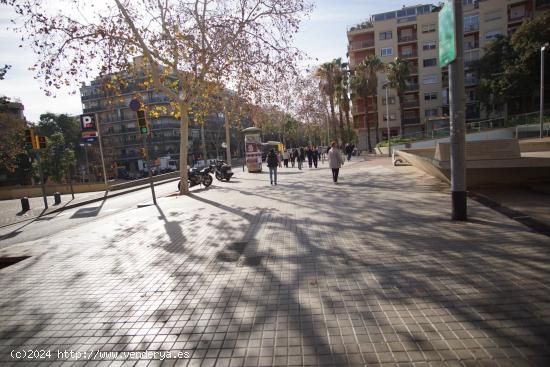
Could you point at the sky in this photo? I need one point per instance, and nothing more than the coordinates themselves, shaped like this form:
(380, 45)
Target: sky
(322, 36)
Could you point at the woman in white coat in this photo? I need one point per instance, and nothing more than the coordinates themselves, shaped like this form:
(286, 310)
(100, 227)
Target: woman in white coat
(335, 161)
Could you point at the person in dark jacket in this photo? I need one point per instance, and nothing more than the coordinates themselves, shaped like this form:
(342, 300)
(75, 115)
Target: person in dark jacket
(348, 150)
(314, 155)
(293, 154)
(272, 162)
(301, 157)
(309, 155)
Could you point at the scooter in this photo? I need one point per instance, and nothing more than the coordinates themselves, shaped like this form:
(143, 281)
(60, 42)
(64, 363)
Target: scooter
(223, 171)
(198, 177)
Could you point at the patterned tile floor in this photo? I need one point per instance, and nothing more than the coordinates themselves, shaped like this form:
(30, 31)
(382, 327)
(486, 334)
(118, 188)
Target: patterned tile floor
(367, 272)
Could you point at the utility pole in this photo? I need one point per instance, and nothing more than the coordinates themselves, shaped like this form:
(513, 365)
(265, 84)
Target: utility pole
(458, 137)
(101, 150)
(541, 111)
(42, 183)
(147, 159)
(227, 136)
(451, 51)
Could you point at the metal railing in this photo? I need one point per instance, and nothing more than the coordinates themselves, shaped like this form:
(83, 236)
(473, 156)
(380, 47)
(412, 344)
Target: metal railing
(527, 125)
(356, 45)
(407, 38)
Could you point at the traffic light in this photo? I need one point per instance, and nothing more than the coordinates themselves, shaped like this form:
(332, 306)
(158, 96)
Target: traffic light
(30, 142)
(41, 142)
(142, 122)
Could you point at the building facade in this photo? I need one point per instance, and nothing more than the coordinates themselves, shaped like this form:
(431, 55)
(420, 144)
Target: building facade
(411, 33)
(121, 139)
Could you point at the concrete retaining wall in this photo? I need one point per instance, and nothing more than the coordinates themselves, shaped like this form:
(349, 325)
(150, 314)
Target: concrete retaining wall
(16, 192)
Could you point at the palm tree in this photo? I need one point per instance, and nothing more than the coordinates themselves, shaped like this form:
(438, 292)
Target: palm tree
(363, 84)
(342, 98)
(398, 72)
(327, 74)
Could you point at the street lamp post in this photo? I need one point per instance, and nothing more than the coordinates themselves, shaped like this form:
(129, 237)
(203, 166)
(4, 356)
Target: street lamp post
(541, 111)
(385, 86)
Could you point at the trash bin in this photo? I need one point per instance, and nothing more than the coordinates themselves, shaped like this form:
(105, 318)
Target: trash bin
(25, 206)
(57, 198)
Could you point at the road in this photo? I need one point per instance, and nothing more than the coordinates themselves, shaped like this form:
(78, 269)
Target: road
(47, 225)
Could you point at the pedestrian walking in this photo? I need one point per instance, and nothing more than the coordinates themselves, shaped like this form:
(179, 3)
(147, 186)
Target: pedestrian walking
(309, 154)
(293, 155)
(335, 161)
(301, 157)
(272, 162)
(314, 155)
(348, 150)
(286, 157)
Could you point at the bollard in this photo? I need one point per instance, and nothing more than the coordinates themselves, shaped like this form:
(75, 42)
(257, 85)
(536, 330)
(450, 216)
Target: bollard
(25, 206)
(57, 198)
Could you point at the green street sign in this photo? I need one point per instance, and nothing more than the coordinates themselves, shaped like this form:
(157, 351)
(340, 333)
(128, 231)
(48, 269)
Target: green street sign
(447, 37)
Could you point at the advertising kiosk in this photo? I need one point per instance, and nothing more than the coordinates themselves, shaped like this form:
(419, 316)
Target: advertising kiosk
(253, 149)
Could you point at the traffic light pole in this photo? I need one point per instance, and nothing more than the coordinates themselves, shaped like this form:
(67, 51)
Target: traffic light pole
(458, 137)
(42, 180)
(148, 160)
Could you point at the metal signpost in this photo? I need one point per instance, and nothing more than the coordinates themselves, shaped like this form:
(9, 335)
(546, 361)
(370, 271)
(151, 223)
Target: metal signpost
(541, 109)
(451, 53)
(89, 124)
(135, 105)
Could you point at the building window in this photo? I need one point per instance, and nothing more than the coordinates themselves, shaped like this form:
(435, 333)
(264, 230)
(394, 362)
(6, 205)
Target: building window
(468, 2)
(493, 15)
(431, 112)
(491, 35)
(428, 28)
(430, 79)
(471, 23)
(430, 45)
(431, 96)
(385, 35)
(391, 100)
(386, 51)
(392, 116)
(429, 62)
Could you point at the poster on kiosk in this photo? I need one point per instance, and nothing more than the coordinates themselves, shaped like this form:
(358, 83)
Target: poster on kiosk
(253, 146)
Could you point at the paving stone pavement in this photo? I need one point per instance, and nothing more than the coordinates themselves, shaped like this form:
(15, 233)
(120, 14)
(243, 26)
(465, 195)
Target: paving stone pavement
(367, 272)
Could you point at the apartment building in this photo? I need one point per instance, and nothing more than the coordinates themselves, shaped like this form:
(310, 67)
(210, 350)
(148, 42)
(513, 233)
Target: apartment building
(411, 33)
(121, 138)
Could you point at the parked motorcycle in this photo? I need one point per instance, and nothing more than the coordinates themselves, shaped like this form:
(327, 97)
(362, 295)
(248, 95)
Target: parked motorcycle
(223, 171)
(198, 177)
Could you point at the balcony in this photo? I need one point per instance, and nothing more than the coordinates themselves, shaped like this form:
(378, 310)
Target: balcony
(411, 104)
(470, 45)
(406, 38)
(470, 81)
(411, 87)
(408, 54)
(513, 18)
(471, 28)
(469, 63)
(413, 69)
(411, 121)
(357, 45)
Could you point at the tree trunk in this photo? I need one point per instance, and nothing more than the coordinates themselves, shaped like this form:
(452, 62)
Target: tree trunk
(367, 127)
(349, 126)
(400, 95)
(377, 132)
(184, 135)
(341, 116)
(333, 118)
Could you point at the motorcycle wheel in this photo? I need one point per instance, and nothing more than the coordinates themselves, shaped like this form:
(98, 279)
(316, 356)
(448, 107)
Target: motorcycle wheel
(227, 179)
(207, 180)
(219, 177)
(179, 185)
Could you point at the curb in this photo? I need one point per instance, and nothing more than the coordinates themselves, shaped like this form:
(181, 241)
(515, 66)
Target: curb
(89, 201)
(518, 216)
